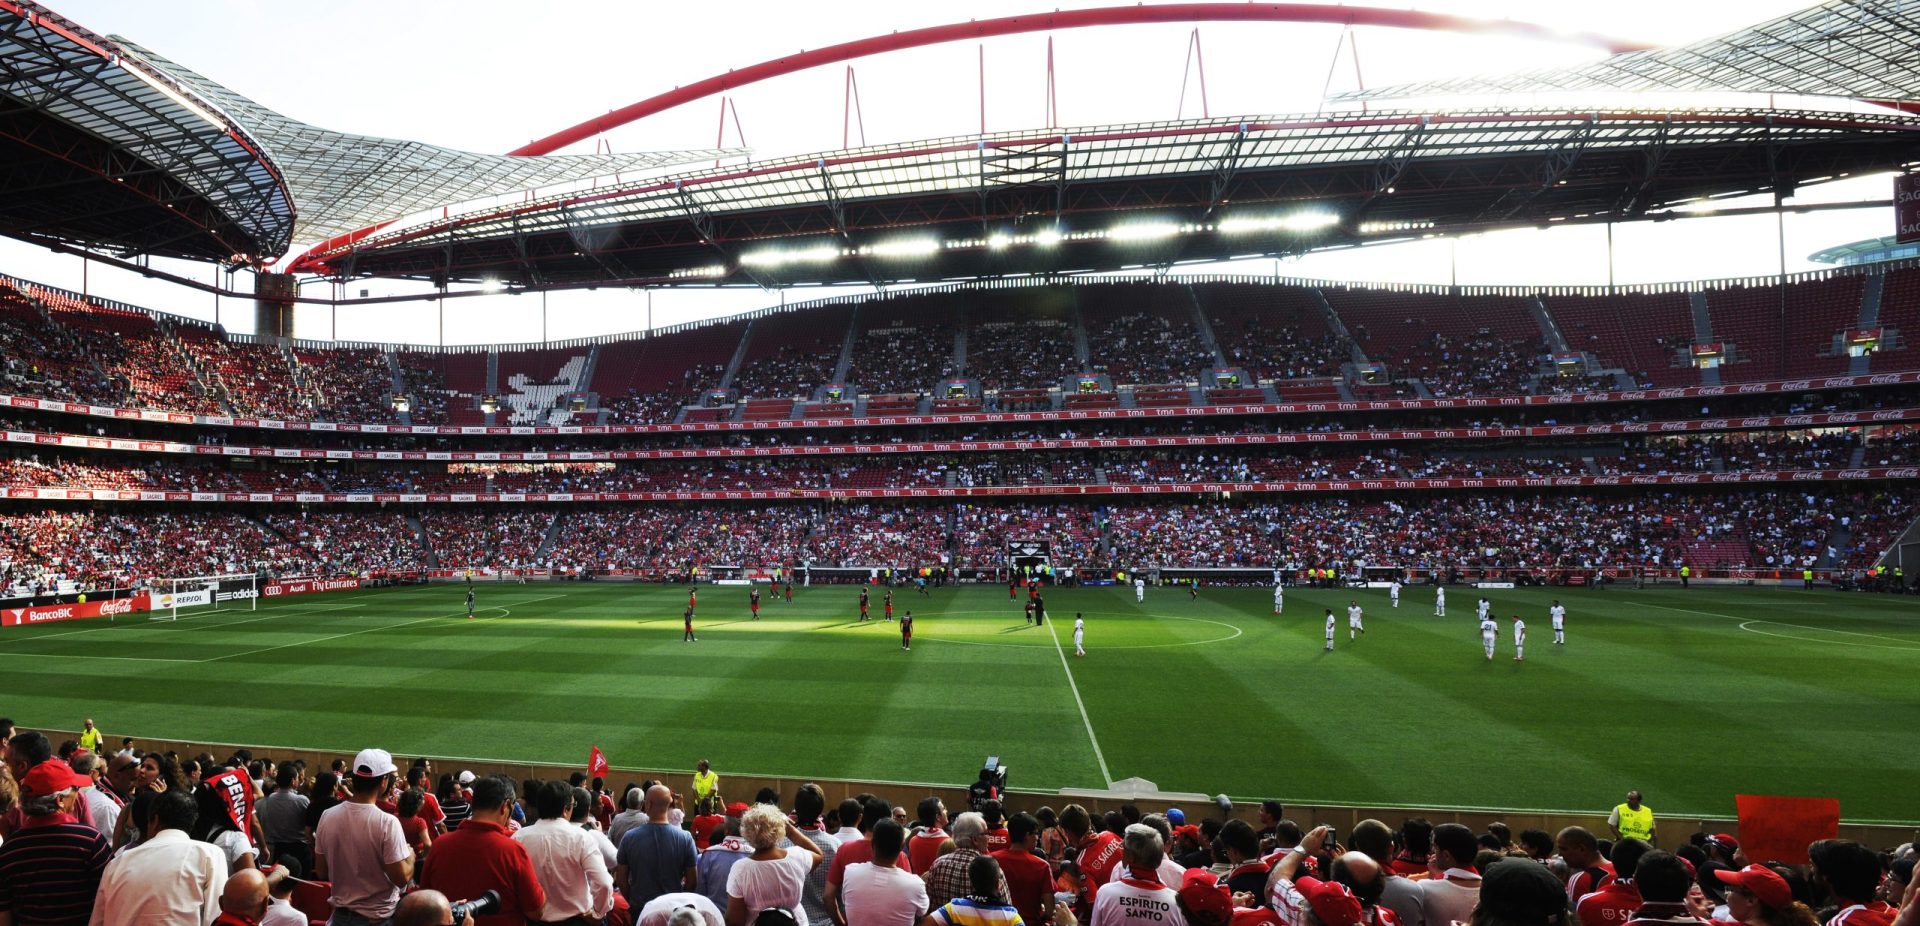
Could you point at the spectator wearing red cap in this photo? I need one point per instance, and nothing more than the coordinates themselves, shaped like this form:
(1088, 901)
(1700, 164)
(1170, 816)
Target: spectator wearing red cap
(50, 866)
(1759, 896)
(1722, 848)
(1139, 899)
(1663, 882)
(361, 850)
(1616, 901)
(1204, 900)
(1029, 877)
(1852, 872)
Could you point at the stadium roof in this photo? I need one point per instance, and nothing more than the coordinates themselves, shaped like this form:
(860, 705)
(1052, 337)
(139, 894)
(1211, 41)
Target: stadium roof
(342, 181)
(111, 146)
(103, 151)
(1861, 49)
(1134, 195)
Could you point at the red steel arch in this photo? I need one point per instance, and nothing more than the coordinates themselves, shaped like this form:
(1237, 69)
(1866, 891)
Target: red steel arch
(1064, 19)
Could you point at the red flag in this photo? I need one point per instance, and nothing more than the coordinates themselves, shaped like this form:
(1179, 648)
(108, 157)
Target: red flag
(597, 764)
(1779, 829)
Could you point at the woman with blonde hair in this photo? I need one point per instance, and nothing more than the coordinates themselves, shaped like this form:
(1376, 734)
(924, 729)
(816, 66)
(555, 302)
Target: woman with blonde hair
(771, 878)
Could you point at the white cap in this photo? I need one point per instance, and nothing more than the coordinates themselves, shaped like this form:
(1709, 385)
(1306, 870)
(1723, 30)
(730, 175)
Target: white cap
(373, 763)
(466, 777)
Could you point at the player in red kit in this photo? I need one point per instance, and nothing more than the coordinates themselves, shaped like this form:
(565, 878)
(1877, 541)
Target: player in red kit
(863, 604)
(906, 631)
(687, 636)
(789, 590)
(887, 603)
(753, 601)
(693, 596)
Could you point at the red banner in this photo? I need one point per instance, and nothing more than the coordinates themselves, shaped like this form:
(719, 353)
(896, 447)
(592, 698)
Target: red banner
(306, 586)
(597, 766)
(1906, 208)
(1779, 829)
(42, 614)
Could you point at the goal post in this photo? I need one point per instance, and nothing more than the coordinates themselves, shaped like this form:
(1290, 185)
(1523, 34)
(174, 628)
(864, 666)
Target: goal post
(238, 591)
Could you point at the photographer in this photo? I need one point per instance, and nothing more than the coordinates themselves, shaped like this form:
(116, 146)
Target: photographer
(361, 849)
(480, 857)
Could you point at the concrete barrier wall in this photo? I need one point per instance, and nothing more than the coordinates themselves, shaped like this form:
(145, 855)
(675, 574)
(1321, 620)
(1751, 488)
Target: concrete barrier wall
(1671, 830)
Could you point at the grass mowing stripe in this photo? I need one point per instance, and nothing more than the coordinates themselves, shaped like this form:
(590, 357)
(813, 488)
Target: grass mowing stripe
(1105, 775)
(354, 633)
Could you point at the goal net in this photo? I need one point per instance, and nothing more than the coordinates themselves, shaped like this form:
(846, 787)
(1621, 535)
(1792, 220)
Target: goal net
(204, 595)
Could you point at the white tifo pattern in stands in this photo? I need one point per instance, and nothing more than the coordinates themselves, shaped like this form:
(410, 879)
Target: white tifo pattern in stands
(538, 403)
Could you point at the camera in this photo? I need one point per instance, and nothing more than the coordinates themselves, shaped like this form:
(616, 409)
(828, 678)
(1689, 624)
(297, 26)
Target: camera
(486, 904)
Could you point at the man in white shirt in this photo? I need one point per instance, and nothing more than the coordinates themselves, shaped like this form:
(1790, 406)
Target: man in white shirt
(1279, 598)
(1451, 897)
(1393, 592)
(1139, 590)
(1439, 601)
(1488, 632)
(168, 876)
(1354, 626)
(1519, 639)
(103, 808)
(1559, 615)
(1079, 635)
(809, 803)
(878, 893)
(1329, 630)
(1484, 608)
(1139, 899)
(850, 810)
(361, 849)
(567, 860)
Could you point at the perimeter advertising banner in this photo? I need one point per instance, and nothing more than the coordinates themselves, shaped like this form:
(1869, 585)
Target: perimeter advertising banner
(16, 617)
(1906, 207)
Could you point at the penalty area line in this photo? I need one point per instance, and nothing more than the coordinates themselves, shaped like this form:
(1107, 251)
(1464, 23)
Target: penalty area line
(1105, 776)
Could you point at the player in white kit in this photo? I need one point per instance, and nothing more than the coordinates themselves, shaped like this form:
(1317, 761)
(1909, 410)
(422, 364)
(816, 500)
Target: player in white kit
(1329, 630)
(1353, 620)
(1485, 607)
(1519, 638)
(1559, 621)
(1393, 592)
(1139, 590)
(1080, 634)
(1489, 631)
(1279, 598)
(1439, 601)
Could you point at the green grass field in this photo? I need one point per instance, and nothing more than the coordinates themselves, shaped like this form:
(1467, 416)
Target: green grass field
(1691, 696)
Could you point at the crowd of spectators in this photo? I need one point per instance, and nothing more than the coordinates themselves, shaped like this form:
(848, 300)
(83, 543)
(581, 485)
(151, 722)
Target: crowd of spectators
(1144, 347)
(358, 542)
(792, 370)
(1281, 352)
(1477, 365)
(349, 384)
(147, 836)
(113, 548)
(907, 359)
(661, 406)
(492, 538)
(1012, 355)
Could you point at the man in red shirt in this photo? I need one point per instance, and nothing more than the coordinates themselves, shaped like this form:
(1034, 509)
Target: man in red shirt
(1618, 900)
(924, 847)
(854, 852)
(705, 821)
(480, 856)
(1852, 872)
(1587, 870)
(1029, 877)
(1416, 848)
(1096, 854)
(998, 837)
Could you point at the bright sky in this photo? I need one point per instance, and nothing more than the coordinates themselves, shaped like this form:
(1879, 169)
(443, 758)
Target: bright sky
(488, 75)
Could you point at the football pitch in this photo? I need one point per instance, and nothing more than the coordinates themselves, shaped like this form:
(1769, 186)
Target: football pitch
(1691, 696)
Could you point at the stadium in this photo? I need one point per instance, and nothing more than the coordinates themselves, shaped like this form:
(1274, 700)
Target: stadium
(1036, 456)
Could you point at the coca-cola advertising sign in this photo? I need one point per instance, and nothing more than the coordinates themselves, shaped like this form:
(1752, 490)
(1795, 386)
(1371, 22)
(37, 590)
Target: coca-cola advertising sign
(43, 614)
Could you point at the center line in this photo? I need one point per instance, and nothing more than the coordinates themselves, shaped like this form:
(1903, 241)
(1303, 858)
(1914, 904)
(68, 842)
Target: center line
(1105, 775)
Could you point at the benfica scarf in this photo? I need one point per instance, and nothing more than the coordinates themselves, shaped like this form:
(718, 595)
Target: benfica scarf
(235, 789)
